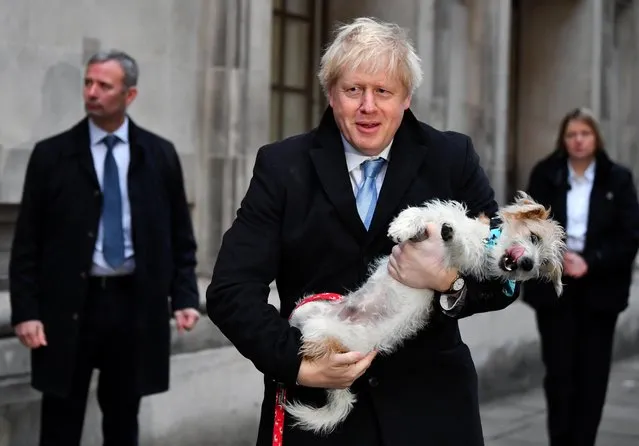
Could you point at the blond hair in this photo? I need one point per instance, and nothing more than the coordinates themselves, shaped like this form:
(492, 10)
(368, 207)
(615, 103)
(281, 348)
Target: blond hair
(373, 46)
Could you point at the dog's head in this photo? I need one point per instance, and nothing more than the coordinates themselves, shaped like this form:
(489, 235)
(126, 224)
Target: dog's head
(531, 245)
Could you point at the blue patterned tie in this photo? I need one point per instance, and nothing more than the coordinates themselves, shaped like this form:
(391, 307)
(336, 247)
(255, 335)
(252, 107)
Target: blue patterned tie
(367, 194)
(113, 241)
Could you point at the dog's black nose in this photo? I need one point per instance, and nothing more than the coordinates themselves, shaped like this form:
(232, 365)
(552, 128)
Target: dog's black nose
(526, 264)
(447, 232)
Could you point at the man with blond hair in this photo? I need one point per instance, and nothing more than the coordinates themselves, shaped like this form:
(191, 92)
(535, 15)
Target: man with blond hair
(314, 217)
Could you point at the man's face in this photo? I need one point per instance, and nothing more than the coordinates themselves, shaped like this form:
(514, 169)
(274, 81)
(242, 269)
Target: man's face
(368, 109)
(105, 95)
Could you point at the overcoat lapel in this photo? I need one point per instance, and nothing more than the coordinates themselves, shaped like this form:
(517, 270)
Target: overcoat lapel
(600, 194)
(140, 184)
(406, 157)
(81, 148)
(559, 179)
(330, 164)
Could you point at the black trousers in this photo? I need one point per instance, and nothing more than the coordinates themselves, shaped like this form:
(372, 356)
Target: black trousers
(576, 347)
(105, 341)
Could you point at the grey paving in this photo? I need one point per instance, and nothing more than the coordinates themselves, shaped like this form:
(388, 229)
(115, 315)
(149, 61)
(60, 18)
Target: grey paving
(519, 420)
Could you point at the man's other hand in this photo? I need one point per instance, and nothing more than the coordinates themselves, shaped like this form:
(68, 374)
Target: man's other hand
(186, 319)
(336, 371)
(31, 334)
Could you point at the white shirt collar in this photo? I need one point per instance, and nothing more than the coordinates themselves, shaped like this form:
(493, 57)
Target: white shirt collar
(589, 173)
(97, 134)
(354, 157)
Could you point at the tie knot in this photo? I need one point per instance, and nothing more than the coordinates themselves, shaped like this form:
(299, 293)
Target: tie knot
(372, 167)
(110, 141)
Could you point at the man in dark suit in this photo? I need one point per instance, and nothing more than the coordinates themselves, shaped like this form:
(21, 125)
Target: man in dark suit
(310, 221)
(103, 239)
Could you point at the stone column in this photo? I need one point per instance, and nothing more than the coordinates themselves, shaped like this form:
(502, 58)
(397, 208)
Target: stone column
(424, 37)
(486, 74)
(235, 48)
(434, 48)
(597, 32)
(609, 70)
(501, 78)
(635, 10)
(5, 432)
(635, 106)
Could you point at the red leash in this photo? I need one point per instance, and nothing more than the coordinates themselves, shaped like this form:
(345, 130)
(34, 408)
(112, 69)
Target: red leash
(280, 395)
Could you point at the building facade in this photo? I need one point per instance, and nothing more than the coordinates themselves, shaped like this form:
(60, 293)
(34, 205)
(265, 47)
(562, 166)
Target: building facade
(223, 77)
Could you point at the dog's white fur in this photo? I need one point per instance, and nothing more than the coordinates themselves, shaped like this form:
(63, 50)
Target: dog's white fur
(382, 313)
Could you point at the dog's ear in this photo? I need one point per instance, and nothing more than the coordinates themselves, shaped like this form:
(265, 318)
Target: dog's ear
(525, 208)
(556, 273)
(522, 197)
(531, 211)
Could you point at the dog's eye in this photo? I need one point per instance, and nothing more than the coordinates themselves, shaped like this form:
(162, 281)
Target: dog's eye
(534, 238)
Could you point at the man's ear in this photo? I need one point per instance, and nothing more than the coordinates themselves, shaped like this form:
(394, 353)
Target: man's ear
(407, 101)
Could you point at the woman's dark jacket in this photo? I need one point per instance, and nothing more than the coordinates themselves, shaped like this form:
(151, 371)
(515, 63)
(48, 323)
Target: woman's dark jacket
(612, 236)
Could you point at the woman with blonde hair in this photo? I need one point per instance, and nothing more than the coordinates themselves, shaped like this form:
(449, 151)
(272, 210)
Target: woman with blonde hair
(595, 200)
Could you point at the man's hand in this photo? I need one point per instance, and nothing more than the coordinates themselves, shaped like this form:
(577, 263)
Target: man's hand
(186, 319)
(337, 371)
(31, 334)
(419, 264)
(574, 265)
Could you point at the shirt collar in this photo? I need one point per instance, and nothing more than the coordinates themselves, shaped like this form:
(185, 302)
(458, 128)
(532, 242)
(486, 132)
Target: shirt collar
(97, 134)
(589, 173)
(354, 157)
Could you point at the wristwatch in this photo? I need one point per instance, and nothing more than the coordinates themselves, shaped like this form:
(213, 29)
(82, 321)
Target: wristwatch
(450, 300)
(458, 284)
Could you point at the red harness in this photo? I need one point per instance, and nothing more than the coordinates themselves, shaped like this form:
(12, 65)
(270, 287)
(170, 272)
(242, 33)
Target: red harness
(280, 395)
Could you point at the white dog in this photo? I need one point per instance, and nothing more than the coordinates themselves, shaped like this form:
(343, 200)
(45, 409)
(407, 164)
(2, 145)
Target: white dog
(383, 313)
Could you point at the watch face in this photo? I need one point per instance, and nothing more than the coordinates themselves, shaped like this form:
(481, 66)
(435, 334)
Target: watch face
(458, 284)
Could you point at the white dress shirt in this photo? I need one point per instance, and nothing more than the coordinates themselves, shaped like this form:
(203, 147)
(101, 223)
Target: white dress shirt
(354, 159)
(122, 155)
(577, 207)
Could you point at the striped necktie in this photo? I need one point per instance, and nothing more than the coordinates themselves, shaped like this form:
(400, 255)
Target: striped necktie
(366, 198)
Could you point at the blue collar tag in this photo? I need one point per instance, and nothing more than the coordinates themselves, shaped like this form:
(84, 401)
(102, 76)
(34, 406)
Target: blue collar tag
(491, 241)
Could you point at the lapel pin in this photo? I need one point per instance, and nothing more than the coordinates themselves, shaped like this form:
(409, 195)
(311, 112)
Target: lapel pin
(609, 196)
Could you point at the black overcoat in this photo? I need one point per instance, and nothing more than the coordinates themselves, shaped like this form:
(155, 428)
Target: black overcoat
(298, 224)
(53, 247)
(612, 234)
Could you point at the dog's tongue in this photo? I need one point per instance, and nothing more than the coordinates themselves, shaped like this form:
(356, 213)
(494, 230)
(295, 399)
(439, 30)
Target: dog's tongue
(516, 252)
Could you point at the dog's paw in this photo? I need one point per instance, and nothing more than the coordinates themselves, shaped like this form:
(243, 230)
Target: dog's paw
(420, 237)
(408, 225)
(447, 232)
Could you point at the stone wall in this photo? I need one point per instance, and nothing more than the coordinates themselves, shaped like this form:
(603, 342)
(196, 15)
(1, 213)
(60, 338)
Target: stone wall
(42, 66)
(200, 62)
(41, 75)
(621, 87)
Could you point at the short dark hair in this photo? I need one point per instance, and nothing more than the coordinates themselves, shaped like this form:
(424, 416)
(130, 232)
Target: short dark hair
(128, 64)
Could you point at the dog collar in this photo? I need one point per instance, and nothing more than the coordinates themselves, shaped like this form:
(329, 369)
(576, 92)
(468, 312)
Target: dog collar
(495, 232)
(491, 242)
